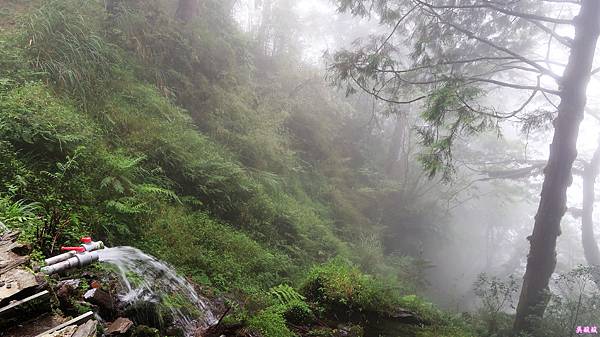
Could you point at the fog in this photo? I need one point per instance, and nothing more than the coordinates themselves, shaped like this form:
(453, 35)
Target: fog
(488, 221)
(309, 168)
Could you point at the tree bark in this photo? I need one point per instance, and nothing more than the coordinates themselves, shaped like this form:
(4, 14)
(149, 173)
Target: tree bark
(541, 260)
(590, 246)
(187, 10)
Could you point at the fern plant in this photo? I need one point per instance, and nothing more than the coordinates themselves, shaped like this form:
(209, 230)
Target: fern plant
(285, 294)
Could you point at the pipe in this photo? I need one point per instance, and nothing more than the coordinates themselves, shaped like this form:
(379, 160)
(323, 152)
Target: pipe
(59, 258)
(93, 245)
(79, 260)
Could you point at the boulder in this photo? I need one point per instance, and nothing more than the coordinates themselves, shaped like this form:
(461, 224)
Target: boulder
(120, 326)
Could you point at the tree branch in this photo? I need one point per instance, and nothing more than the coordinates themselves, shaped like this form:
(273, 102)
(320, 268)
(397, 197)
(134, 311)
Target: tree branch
(513, 85)
(376, 95)
(472, 35)
(573, 2)
(529, 17)
(395, 28)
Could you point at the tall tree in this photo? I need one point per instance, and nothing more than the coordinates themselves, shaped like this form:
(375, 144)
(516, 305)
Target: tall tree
(588, 240)
(541, 260)
(459, 51)
(395, 150)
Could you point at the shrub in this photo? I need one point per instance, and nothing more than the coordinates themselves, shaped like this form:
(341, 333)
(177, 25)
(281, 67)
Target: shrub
(295, 309)
(344, 289)
(270, 323)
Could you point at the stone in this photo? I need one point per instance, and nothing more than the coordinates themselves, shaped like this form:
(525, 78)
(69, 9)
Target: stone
(15, 281)
(66, 287)
(66, 291)
(87, 330)
(100, 298)
(20, 249)
(120, 326)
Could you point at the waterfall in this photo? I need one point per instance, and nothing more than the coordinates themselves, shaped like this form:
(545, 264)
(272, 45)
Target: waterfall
(144, 279)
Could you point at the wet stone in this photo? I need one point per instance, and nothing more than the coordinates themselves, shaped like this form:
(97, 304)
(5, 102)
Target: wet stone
(99, 297)
(120, 326)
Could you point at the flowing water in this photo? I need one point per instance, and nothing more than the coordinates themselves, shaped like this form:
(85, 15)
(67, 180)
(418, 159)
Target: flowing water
(146, 279)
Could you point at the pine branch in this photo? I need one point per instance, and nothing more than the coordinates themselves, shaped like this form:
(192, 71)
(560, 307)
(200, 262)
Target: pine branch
(527, 16)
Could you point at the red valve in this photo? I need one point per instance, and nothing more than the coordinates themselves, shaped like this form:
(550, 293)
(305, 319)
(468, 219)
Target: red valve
(77, 249)
(86, 239)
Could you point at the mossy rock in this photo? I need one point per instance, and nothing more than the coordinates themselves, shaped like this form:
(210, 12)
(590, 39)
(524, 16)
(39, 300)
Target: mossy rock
(145, 331)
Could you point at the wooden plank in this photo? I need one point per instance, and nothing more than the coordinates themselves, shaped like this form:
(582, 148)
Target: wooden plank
(74, 321)
(23, 310)
(25, 300)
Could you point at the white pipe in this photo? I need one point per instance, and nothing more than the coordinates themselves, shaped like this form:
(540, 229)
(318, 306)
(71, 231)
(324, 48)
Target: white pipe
(79, 260)
(59, 258)
(94, 245)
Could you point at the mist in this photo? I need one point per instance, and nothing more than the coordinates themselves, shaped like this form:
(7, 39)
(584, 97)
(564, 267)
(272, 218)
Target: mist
(307, 168)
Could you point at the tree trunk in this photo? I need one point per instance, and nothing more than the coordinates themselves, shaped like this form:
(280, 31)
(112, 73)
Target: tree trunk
(541, 260)
(590, 246)
(264, 36)
(187, 10)
(396, 143)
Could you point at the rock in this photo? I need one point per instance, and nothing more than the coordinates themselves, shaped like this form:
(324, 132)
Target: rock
(87, 330)
(66, 288)
(95, 284)
(100, 298)
(348, 331)
(120, 326)
(406, 317)
(66, 291)
(14, 282)
(20, 249)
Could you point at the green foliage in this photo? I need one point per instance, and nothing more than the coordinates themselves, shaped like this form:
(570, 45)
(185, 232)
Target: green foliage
(270, 323)
(426, 310)
(449, 115)
(225, 258)
(139, 130)
(496, 295)
(343, 289)
(18, 214)
(285, 294)
(65, 44)
(294, 308)
(574, 300)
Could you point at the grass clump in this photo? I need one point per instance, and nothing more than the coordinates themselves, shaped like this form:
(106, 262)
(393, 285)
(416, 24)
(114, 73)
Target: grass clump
(342, 288)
